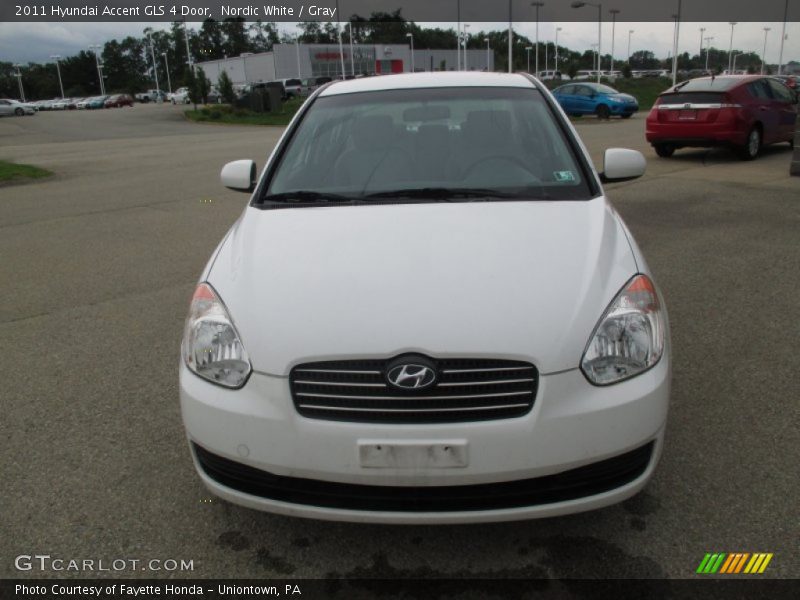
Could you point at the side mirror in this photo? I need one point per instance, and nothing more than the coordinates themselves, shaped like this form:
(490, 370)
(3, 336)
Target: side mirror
(239, 175)
(621, 164)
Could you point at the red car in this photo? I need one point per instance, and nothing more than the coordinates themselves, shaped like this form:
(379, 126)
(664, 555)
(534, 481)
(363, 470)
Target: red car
(743, 112)
(119, 100)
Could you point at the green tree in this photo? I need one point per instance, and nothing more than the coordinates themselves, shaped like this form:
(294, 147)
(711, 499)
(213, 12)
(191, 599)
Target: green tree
(203, 84)
(193, 88)
(225, 86)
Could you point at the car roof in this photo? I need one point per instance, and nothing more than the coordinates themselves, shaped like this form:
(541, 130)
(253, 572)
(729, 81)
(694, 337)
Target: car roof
(713, 84)
(436, 79)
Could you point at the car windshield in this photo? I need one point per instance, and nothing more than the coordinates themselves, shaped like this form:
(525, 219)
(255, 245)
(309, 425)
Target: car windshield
(437, 144)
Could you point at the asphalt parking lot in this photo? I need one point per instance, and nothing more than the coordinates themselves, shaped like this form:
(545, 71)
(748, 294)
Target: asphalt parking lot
(98, 264)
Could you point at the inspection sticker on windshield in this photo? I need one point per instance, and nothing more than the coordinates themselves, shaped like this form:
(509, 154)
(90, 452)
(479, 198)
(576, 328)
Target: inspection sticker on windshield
(562, 176)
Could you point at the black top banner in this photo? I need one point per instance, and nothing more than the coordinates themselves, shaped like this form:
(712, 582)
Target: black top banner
(413, 10)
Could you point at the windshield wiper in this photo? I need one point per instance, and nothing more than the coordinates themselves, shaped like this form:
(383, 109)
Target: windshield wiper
(442, 193)
(301, 196)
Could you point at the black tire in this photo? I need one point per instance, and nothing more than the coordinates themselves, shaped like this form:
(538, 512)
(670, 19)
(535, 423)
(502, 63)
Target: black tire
(19, 112)
(664, 150)
(603, 112)
(628, 116)
(752, 146)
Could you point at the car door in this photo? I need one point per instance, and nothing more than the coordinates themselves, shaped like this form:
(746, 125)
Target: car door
(763, 109)
(566, 98)
(784, 102)
(6, 108)
(584, 100)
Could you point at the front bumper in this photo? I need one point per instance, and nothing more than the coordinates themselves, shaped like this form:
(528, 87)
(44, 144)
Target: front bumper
(254, 434)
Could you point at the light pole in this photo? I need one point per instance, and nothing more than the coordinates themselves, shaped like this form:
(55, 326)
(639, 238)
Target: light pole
(352, 59)
(730, 49)
(169, 81)
(595, 57)
(339, 35)
(466, 37)
(57, 58)
(488, 52)
(458, 35)
(537, 5)
(155, 66)
(528, 52)
(580, 4)
(556, 69)
(783, 36)
(18, 75)
(614, 12)
(630, 33)
(675, 45)
(708, 46)
(702, 31)
(764, 53)
(411, 37)
(297, 47)
(186, 39)
(510, 39)
(95, 48)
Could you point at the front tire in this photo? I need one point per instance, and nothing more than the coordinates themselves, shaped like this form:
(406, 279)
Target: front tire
(19, 112)
(752, 146)
(603, 112)
(628, 116)
(664, 150)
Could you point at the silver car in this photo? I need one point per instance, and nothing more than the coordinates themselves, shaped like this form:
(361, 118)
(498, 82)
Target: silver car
(14, 107)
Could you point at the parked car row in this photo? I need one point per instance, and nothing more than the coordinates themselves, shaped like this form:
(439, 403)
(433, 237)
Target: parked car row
(181, 96)
(88, 103)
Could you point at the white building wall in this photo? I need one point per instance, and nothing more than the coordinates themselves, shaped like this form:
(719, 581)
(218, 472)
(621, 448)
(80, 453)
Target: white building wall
(282, 61)
(254, 68)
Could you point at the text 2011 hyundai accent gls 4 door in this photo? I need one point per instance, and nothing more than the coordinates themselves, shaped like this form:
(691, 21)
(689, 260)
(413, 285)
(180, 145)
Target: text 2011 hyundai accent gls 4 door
(428, 312)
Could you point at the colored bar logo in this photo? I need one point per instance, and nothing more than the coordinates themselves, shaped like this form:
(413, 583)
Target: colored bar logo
(734, 563)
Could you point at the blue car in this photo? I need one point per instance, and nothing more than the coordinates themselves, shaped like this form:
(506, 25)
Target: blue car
(595, 99)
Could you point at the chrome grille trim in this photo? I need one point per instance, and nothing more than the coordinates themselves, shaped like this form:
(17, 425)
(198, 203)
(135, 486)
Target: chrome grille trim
(390, 410)
(466, 389)
(307, 394)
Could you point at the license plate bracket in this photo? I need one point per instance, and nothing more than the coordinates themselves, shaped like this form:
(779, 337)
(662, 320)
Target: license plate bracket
(418, 455)
(687, 115)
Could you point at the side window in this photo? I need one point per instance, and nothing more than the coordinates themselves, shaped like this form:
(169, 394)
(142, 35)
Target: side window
(568, 89)
(758, 89)
(582, 90)
(780, 92)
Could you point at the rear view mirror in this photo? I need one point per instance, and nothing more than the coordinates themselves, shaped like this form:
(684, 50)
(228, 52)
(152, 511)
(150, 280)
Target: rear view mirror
(621, 164)
(239, 175)
(426, 113)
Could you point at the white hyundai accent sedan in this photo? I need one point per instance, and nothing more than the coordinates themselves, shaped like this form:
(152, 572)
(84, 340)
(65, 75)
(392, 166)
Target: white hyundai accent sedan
(428, 313)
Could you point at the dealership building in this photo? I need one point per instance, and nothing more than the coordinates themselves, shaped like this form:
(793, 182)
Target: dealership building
(324, 60)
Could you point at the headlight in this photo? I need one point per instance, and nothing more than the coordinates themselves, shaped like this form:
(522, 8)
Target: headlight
(629, 339)
(211, 345)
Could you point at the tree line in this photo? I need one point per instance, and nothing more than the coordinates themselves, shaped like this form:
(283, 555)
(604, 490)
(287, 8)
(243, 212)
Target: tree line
(129, 65)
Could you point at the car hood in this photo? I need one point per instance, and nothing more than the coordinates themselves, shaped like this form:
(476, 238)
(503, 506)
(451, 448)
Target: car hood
(515, 280)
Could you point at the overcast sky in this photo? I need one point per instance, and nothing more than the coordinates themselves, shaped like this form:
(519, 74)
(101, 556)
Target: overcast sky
(35, 42)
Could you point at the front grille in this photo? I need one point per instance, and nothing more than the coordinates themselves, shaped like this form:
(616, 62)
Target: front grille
(465, 390)
(589, 480)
